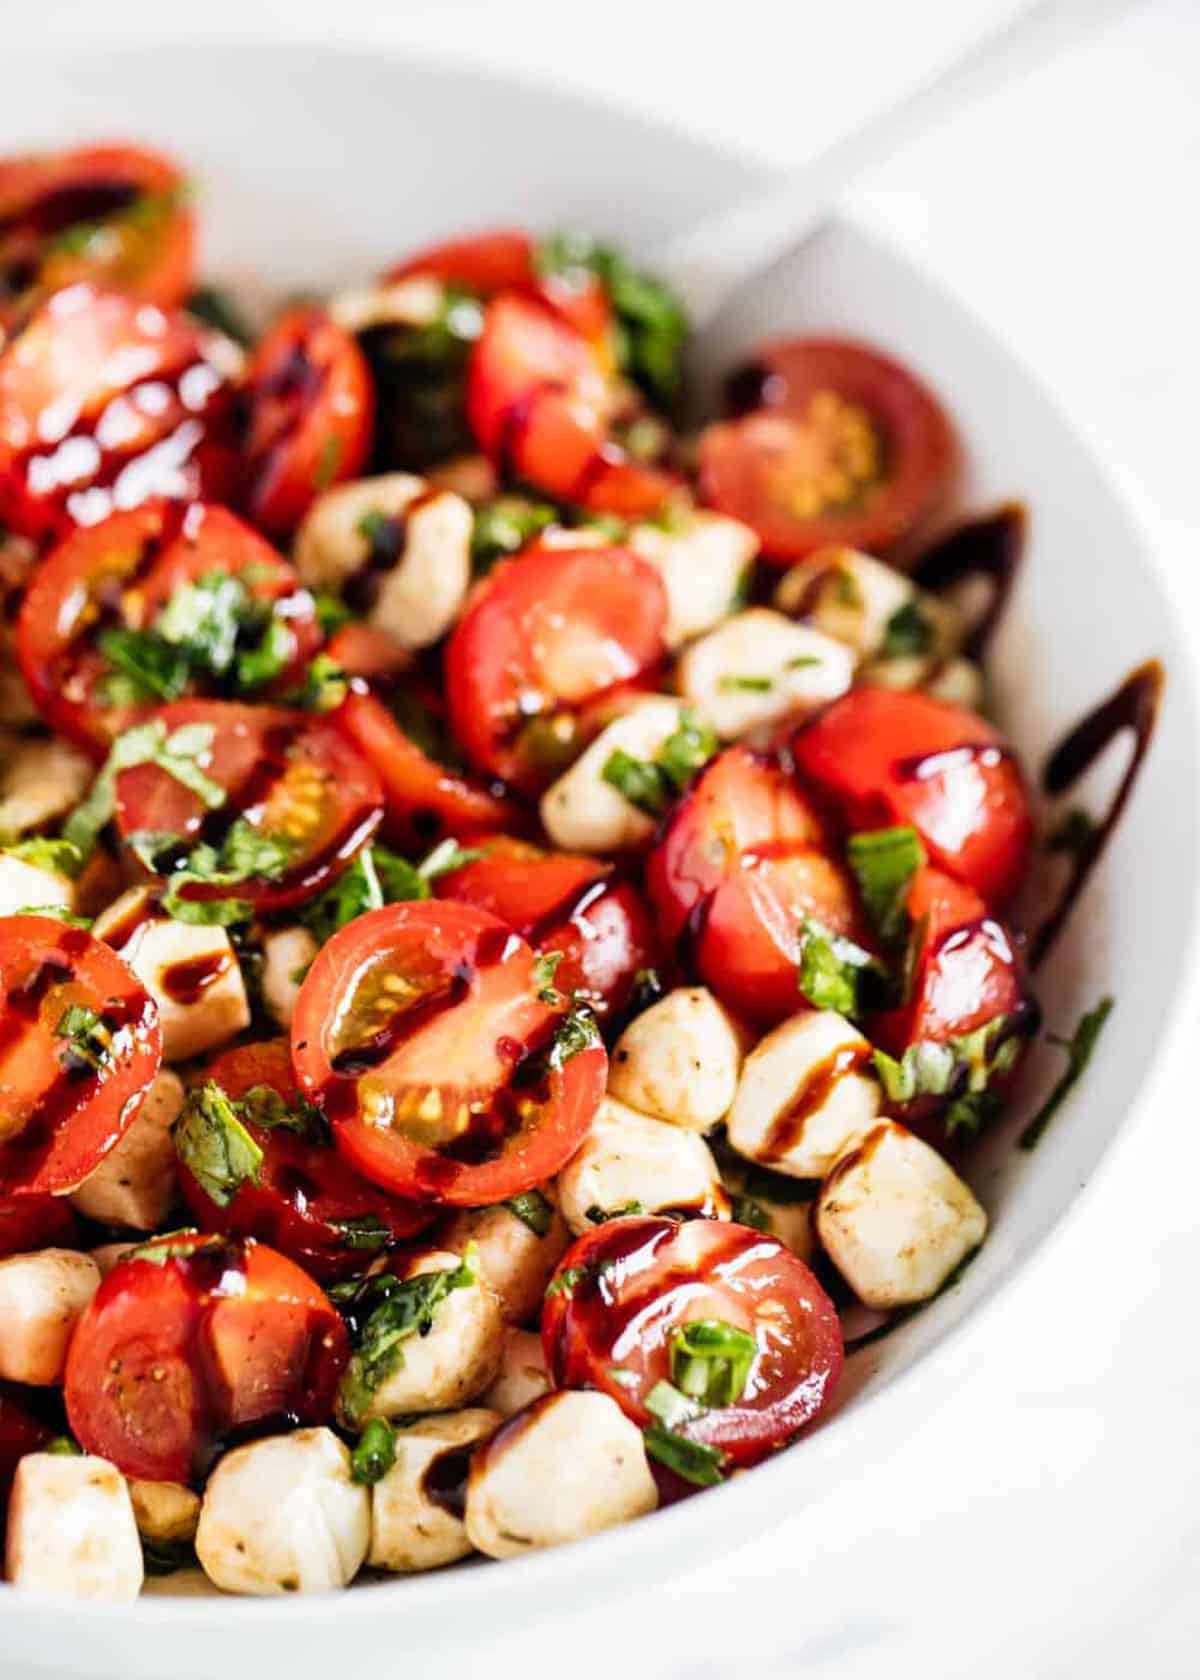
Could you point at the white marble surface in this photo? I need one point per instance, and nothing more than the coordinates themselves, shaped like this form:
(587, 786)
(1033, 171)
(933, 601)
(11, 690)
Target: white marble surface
(1039, 1511)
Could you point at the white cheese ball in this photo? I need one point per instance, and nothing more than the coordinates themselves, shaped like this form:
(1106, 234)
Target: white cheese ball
(27, 886)
(804, 1098)
(71, 1530)
(895, 1219)
(522, 1377)
(41, 1298)
(701, 563)
(581, 812)
(41, 780)
(282, 1515)
(134, 1184)
(629, 1158)
(758, 667)
(165, 1511)
(411, 1530)
(847, 594)
(287, 955)
(569, 1465)
(517, 1261)
(679, 1060)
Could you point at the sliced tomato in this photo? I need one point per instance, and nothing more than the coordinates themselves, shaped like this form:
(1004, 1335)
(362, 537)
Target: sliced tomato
(624, 1292)
(880, 756)
(499, 260)
(107, 402)
(840, 445)
(190, 1339)
(117, 215)
(292, 777)
(741, 865)
(548, 632)
(566, 903)
(32, 1222)
(366, 651)
(422, 1031)
(79, 1046)
(308, 392)
(120, 575)
(541, 399)
(21, 1432)
(307, 1202)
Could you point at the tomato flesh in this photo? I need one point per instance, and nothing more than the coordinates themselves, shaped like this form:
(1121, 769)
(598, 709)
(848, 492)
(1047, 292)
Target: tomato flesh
(28, 1223)
(21, 1432)
(632, 1282)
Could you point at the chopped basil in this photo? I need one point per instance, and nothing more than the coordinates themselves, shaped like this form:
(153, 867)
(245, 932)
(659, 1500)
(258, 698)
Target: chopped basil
(576, 1031)
(214, 1145)
(837, 974)
(971, 1113)
(961, 1066)
(566, 1281)
(143, 668)
(505, 526)
(647, 989)
(56, 912)
(747, 684)
(146, 743)
(361, 1231)
(244, 854)
(544, 970)
(686, 751)
(711, 1360)
(638, 782)
(378, 877)
(650, 785)
(374, 1454)
(87, 1040)
(165, 1557)
(214, 306)
(672, 1407)
(907, 632)
(1079, 1048)
(60, 857)
(325, 686)
(884, 862)
(263, 1106)
(596, 1215)
(695, 1461)
(1075, 834)
(744, 1210)
(803, 662)
(400, 1309)
(64, 1446)
(532, 1209)
(170, 1245)
(332, 613)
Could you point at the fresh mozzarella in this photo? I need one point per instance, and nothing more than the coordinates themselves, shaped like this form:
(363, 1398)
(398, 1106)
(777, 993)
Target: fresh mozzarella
(409, 1530)
(630, 1161)
(165, 1511)
(702, 562)
(760, 666)
(848, 595)
(961, 682)
(523, 1375)
(26, 886)
(679, 1060)
(895, 1219)
(516, 1260)
(287, 954)
(71, 1530)
(803, 1099)
(41, 1298)
(282, 1515)
(581, 812)
(567, 1466)
(40, 782)
(134, 1184)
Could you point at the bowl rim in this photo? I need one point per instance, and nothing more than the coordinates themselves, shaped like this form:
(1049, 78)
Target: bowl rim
(591, 1567)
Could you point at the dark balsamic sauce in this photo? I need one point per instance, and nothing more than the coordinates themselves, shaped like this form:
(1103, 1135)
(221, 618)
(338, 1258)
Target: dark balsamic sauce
(992, 547)
(186, 982)
(444, 1483)
(787, 1129)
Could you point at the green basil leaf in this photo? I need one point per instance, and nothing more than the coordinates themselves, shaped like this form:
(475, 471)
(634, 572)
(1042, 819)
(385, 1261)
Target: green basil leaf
(374, 1453)
(884, 862)
(1079, 1048)
(711, 1360)
(214, 1145)
(532, 1209)
(908, 632)
(406, 1308)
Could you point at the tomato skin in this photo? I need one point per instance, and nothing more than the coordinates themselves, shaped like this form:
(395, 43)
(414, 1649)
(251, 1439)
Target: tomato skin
(60, 1119)
(758, 466)
(107, 402)
(564, 902)
(304, 1187)
(474, 1015)
(881, 756)
(549, 629)
(28, 1223)
(191, 1339)
(498, 260)
(308, 389)
(643, 1277)
(740, 863)
(21, 1432)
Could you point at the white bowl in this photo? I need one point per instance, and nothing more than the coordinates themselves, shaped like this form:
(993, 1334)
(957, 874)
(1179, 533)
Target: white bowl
(318, 165)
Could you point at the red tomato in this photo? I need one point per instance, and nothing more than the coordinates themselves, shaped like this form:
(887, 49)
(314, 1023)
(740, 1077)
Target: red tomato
(420, 1030)
(564, 902)
(307, 1202)
(842, 445)
(105, 403)
(67, 1095)
(499, 260)
(423, 800)
(21, 1432)
(540, 399)
(291, 776)
(308, 389)
(364, 650)
(193, 1337)
(119, 575)
(880, 756)
(740, 866)
(32, 1222)
(633, 1283)
(114, 214)
(547, 631)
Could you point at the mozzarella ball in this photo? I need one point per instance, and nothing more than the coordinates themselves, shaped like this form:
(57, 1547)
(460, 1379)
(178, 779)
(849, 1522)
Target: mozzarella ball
(283, 1515)
(454, 1362)
(71, 1530)
(165, 1511)
(629, 1159)
(411, 1530)
(679, 1060)
(701, 563)
(895, 1219)
(415, 302)
(793, 1223)
(581, 812)
(195, 1018)
(41, 1298)
(134, 1184)
(760, 666)
(803, 1099)
(287, 955)
(523, 1375)
(847, 595)
(516, 1260)
(27, 886)
(568, 1466)
(40, 782)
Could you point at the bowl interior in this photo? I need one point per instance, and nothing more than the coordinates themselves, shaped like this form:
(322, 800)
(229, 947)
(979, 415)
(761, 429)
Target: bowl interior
(317, 165)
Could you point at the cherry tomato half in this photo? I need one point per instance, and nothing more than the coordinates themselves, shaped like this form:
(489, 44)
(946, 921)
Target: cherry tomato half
(880, 756)
(568, 903)
(114, 214)
(741, 865)
(422, 1031)
(546, 632)
(498, 260)
(119, 576)
(107, 402)
(28, 1223)
(21, 1432)
(191, 1338)
(79, 1045)
(307, 1202)
(308, 391)
(840, 445)
(629, 1288)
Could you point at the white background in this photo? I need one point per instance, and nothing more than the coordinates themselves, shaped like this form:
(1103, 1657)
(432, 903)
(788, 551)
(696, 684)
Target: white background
(1037, 1514)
